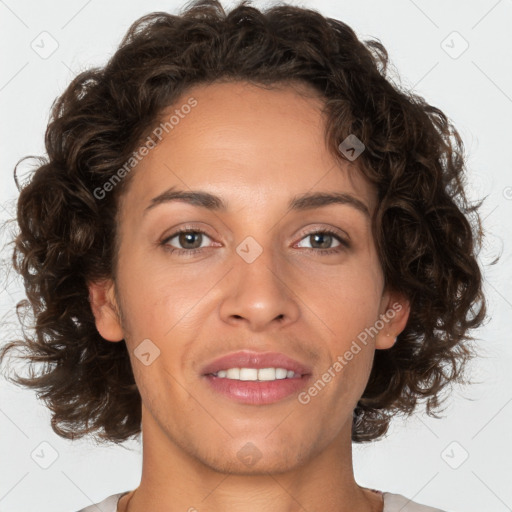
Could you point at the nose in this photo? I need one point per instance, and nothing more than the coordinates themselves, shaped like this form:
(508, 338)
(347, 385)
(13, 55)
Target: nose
(259, 293)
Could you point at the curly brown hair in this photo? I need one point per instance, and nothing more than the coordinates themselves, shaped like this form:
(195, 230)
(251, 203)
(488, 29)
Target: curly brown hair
(427, 232)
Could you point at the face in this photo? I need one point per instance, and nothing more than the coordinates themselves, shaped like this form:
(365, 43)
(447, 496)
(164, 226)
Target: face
(258, 272)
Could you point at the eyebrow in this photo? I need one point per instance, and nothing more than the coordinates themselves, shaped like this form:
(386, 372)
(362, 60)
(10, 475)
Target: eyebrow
(302, 202)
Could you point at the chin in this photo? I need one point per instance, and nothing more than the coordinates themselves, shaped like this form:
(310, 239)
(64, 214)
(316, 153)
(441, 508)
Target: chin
(263, 467)
(255, 458)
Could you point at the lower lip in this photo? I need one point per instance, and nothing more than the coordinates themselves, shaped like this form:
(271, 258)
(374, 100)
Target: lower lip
(257, 392)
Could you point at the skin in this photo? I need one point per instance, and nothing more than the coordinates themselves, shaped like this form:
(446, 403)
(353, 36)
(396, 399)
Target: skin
(256, 149)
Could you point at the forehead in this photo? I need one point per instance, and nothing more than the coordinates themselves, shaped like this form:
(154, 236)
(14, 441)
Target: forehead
(247, 144)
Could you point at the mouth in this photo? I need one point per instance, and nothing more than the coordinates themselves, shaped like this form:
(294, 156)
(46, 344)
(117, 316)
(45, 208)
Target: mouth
(256, 378)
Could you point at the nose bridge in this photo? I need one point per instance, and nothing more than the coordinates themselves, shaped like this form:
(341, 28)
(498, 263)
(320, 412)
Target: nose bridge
(258, 263)
(258, 291)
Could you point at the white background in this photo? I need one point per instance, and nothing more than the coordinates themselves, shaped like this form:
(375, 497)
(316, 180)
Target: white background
(474, 90)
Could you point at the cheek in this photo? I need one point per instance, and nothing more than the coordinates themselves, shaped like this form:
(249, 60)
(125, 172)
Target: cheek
(158, 298)
(348, 301)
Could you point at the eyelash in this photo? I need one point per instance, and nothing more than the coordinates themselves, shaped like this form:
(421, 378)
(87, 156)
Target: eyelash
(344, 244)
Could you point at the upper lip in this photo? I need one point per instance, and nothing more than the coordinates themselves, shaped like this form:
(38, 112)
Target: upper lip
(248, 359)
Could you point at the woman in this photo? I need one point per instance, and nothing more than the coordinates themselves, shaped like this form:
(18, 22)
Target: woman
(250, 246)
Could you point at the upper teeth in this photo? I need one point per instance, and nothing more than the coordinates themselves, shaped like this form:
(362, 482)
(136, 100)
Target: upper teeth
(255, 374)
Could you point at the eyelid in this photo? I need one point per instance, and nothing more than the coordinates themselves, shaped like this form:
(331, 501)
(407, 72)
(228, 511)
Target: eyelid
(343, 235)
(189, 226)
(184, 229)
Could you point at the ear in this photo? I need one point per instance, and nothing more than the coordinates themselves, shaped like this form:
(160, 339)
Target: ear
(105, 310)
(394, 313)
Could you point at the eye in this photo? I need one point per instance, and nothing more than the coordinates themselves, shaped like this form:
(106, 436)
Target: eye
(188, 240)
(321, 241)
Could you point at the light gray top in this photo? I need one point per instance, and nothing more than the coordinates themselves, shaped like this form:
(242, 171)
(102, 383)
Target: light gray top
(392, 503)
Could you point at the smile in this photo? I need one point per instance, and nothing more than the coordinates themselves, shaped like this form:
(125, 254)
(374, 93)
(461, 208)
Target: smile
(255, 374)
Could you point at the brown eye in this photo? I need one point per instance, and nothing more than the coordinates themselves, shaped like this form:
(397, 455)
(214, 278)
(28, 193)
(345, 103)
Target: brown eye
(322, 240)
(186, 240)
(190, 240)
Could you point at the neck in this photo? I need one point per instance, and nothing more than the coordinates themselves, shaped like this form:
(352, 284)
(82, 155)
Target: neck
(174, 476)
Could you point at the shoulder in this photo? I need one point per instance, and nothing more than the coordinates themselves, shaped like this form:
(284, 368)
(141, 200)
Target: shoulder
(107, 505)
(398, 503)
